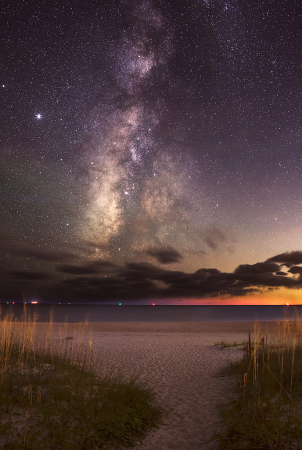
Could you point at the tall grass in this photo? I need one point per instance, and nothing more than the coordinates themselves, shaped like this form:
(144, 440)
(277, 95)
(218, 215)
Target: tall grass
(267, 411)
(56, 394)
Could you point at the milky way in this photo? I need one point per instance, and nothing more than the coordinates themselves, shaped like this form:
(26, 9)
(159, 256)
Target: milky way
(141, 190)
(147, 142)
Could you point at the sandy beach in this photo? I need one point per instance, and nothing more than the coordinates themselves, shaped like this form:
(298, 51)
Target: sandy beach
(179, 360)
(182, 364)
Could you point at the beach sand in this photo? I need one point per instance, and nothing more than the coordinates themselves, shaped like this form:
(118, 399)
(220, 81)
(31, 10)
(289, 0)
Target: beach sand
(182, 364)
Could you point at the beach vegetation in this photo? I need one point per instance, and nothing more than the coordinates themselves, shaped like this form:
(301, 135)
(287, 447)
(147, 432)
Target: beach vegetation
(55, 393)
(224, 344)
(266, 412)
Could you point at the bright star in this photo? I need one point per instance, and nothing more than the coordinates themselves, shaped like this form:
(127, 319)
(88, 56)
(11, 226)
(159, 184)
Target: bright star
(38, 116)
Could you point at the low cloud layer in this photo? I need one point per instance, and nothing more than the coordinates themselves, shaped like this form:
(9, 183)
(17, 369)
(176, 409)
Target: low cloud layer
(103, 280)
(34, 252)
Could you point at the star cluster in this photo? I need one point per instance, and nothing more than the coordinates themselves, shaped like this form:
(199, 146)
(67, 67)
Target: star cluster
(147, 140)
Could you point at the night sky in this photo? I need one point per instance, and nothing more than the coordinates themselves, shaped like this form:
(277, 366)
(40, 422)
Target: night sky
(151, 151)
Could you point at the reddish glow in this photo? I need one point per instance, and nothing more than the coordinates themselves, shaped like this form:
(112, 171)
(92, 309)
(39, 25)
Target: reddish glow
(34, 303)
(153, 304)
(287, 304)
(247, 300)
(13, 303)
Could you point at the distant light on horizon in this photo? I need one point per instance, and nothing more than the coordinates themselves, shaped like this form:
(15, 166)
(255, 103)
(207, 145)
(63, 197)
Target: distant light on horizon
(34, 302)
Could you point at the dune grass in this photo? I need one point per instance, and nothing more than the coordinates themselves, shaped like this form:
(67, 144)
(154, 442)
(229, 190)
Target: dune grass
(267, 412)
(56, 394)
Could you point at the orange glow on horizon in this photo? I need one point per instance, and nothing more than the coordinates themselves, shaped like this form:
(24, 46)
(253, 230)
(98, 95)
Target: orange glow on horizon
(248, 300)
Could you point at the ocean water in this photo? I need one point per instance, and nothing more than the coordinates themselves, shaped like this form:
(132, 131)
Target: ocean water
(148, 313)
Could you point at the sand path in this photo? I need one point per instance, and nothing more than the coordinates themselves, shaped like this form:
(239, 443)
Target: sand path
(182, 364)
(183, 370)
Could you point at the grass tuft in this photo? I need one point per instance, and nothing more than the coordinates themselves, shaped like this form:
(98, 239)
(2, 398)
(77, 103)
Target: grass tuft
(56, 394)
(266, 413)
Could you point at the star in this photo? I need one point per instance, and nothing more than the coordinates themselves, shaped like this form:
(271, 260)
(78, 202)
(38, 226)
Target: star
(38, 116)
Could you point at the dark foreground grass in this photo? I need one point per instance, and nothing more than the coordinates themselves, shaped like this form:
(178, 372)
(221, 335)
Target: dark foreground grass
(267, 413)
(57, 395)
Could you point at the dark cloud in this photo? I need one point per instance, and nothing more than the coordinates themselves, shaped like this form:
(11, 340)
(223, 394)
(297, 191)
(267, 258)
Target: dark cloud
(33, 251)
(145, 268)
(166, 255)
(264, 267)
(22, 275)
(136, 271)
(87, 269)
(203, 273)
(288, 258)
(103, 280)
(76, 270)
(296, 269)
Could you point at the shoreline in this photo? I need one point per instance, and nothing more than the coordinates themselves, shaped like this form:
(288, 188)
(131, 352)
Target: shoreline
(171, 327)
